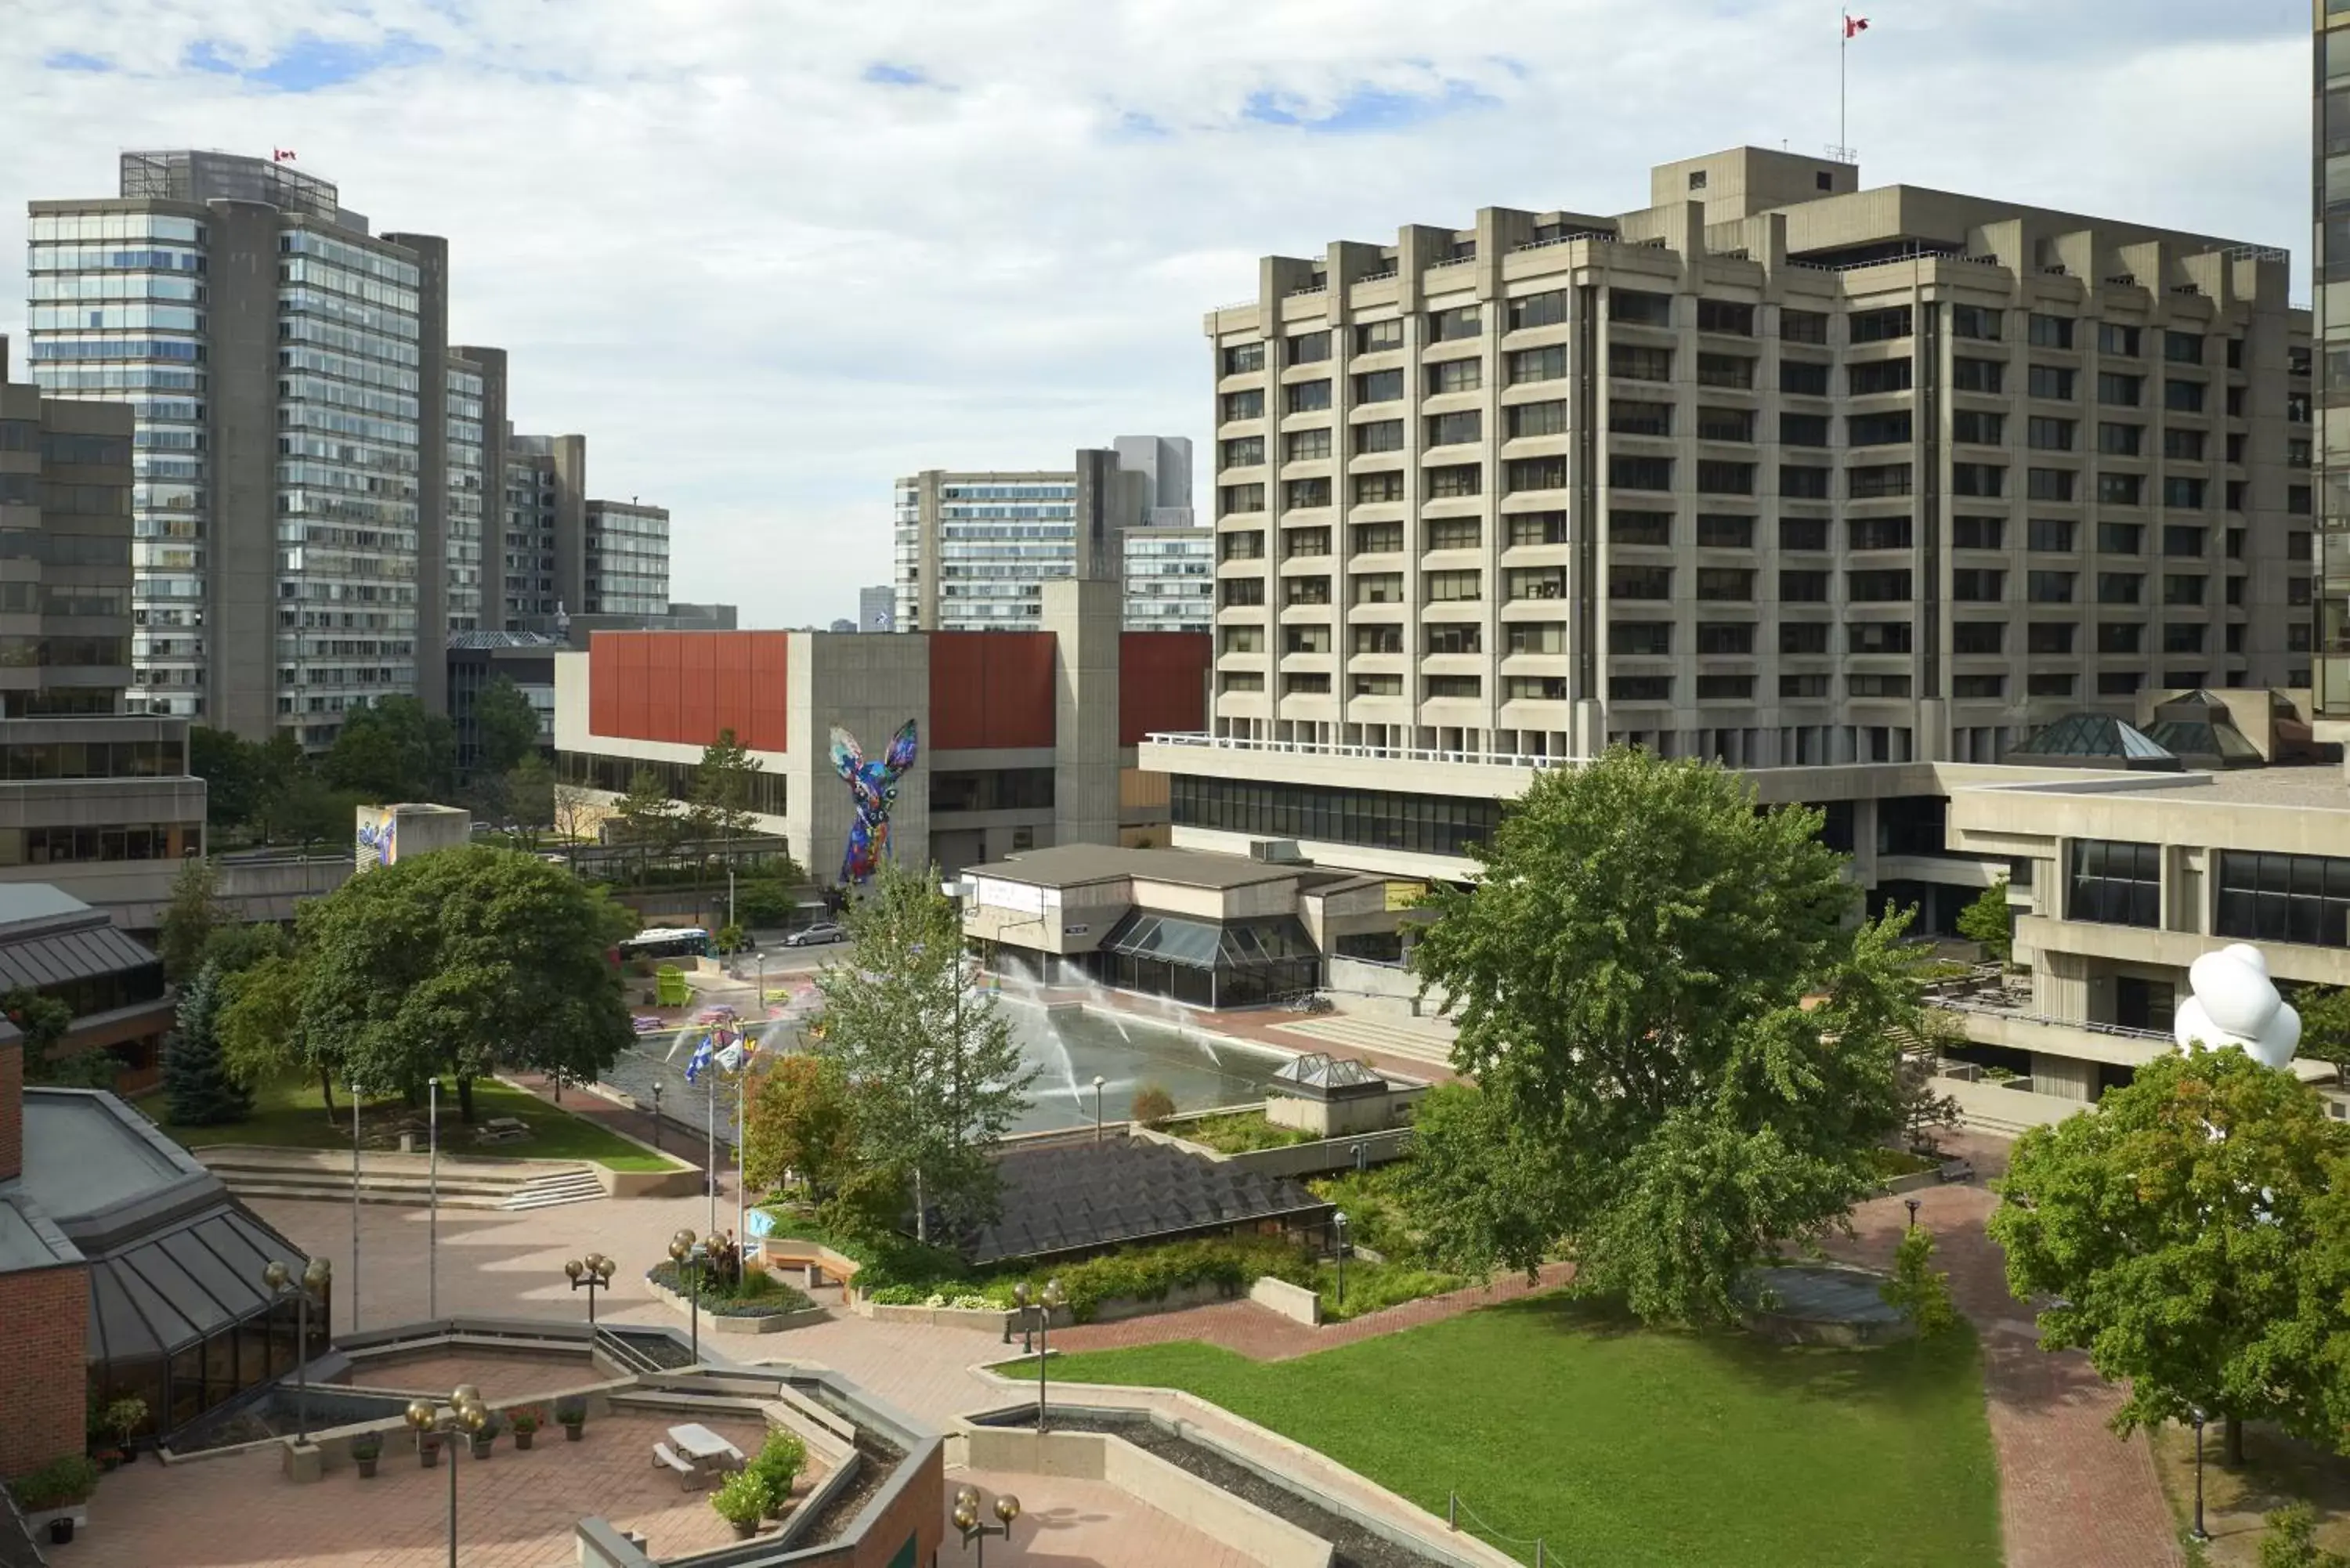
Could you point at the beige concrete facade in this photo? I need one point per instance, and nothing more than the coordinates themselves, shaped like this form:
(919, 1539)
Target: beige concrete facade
(1777, 470)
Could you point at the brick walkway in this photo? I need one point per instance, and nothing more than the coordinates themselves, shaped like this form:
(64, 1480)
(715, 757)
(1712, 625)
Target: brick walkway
(515, 1511)
(502, 1377)
(1066, 1522)
(2072, 1494)
(1262, 1334)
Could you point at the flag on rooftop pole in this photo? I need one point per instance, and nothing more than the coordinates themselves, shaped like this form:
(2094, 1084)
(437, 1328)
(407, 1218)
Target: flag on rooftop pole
(1851, 24)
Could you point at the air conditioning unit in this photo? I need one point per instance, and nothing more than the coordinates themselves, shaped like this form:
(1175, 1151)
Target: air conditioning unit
(1275, 851)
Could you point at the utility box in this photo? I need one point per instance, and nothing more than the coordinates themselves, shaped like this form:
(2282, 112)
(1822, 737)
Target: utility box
(386, 834)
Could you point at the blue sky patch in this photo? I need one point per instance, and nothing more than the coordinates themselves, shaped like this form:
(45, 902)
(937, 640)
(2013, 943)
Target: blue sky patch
(1365, 107)
(310, 63)
(888, 74)
(75, 60)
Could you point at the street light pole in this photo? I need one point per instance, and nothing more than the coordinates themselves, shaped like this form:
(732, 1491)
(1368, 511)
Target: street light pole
(1097, 1121)
(1051, 1296)
(1340, 1217)
(742, 1085)
(2199, 1533)
(590, 1273)
(354, 1208)
(433, 1222)
(310, 1286)
(710, 1156)
(465, 1417)
(657, 1094)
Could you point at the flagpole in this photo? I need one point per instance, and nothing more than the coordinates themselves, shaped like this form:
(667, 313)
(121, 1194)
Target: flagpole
(1844, 47)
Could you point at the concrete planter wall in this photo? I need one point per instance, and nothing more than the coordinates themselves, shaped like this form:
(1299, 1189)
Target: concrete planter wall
(1912, 1183)
(726, 1323)
(998, 1321)
(1209, 1509)
(683, 1182)
(989, 1320)
(1294, 1302)
(1315, 1158)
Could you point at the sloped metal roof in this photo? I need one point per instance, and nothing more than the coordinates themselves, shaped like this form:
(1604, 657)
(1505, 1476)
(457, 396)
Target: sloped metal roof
(2096, 740)
(57, 957)
(1085, 1198)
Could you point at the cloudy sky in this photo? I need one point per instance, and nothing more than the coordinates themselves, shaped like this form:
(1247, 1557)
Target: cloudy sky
(770, 253)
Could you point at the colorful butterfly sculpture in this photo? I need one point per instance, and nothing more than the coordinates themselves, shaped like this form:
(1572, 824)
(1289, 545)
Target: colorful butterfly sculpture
(874, 786)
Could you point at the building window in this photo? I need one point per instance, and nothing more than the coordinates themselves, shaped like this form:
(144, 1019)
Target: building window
(1804, 588)
(1537, 528)
(1244, 358)
(2048, 587)
(1538, 636)
(1725, 638)
(1534, 689)
(2119, 683)
(1882, 376)
(1450, 326)
(1625, 582)
(1726, 317)
(2051, 382)
(2048, 684)
(2051, 331)
(1802, 429)
(2114, 338)
(1378, 385)
(1303, 493)
(1880, 326)
(1803, 637)
(1879, 533)
(2053, 534)
(1978, 688)
(1233, 498)
(1800, 482)
(1302, 684)
(1725, 687)
(1456, 637)
(1309, 348)
(1239, 592)
(1455, 375)
(1242, 452)
(1378, 538)
(1535, 474)
(2183, 397)
(1625, 527)
(1549, 583)
(1376, 685)
(1377, 487)
(1297, 541)
(1725, 478)
(2114, 883)
(1727, 585)
(1549, 364)
(1975, 321)
(1972, 533)
(1876, 685)
(2045, 434)
(1976, 586)
(1879, 481)
(1976, 428)
(1640, 309)
(1304, 446)
(2184, 446)
(2186, 495)
(1456, 688)
(1803, 534)
(1305, 591)
(1803, 326)
(1454, 587)
(1381, 435)
(1717, 531)
(1244, 546)
(1639, 688)
(1979, 637)
(1634, 638)
(1639, 473)
(1876, 637)
(1735, 371)
(2118, 637)
(1546, 309)
(1801, 377)
(1378, 587)
(1307, 397)
(1984, 480)
(1456, 430)
(2048, 483)
(1803, 687)
(2120, 587)
(1454, 479)
(1380, 819)
(1376, 336)
(2120, 488)
(1878, 430)
(1628, 416)
(2118, 390)
(2121, 441)
(2301, 898)
(1625, 361)
(1455, 534)
(1379, 639)
(2121, 539)
(1978, 376)
(1535, 418)
(1249, 405)
(1725, 424)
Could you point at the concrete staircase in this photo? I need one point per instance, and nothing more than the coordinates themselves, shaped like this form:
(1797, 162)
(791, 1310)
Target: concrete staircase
(253, 1172)
(1409, 1040)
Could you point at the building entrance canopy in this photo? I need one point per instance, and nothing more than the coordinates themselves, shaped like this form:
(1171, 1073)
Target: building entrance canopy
(1210, 963)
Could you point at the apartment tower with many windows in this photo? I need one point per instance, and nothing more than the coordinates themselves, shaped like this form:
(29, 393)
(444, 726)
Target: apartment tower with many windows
(289, 375)
(1776, 470)
(2330, 201)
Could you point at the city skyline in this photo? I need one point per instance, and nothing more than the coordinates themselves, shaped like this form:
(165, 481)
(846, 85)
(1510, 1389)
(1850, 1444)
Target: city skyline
(731, 384)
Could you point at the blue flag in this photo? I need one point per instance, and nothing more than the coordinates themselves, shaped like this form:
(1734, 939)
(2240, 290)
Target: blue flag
(696, 1063)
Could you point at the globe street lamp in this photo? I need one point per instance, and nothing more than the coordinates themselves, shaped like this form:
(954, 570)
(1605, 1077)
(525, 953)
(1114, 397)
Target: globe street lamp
(1051, 1298)
(1099, 1080)
(1340, 1219)
(692, 1260)
(967, 1520)
(590, 1273)
(465, 1415)
(308, 1290)
(657, 1094)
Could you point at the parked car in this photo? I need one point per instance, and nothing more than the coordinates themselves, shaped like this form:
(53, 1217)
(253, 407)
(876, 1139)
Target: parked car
(823, 931)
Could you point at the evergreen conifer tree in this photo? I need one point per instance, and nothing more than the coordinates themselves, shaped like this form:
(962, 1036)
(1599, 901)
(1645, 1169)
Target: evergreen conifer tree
(196, 1081)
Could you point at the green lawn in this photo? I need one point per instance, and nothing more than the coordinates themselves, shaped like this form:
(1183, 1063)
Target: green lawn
(1631, 1449)
(289, 1116)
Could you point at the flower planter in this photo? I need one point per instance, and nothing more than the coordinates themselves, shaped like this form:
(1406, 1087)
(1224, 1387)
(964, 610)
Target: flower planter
(61, 1529)
(573, 1430)
(521, 1440)
(366, 1468)
(428, 1455)
(743, 1529)
(481, 1448)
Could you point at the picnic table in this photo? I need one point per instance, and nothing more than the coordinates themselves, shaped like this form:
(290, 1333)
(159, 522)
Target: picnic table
(705, 1446)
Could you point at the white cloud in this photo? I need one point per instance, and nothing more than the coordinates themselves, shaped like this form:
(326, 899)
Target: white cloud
(764, 285)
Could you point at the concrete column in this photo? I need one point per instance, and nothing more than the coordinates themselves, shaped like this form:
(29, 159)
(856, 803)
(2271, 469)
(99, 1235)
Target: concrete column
(1083, 618)
(2066, 1077)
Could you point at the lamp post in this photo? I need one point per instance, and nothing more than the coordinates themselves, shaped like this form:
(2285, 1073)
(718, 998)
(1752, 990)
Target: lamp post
(355, 1206)
(1051, 1297)
(1099, 1080)
(1339, 1218)
(465, 1415)
(590, 1273)
(311, 1286)
(2199, 1533)
(657, 1094)
(694, 1255)
(432, 1203)
(1911, 1204)
(974, 1528)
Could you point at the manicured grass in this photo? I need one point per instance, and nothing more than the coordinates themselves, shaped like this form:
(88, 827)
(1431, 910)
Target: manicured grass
(1633, 1448)
(290, 1115)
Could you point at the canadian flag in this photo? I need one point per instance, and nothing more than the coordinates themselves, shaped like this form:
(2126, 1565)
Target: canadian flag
(1851, 24)
(286, 154)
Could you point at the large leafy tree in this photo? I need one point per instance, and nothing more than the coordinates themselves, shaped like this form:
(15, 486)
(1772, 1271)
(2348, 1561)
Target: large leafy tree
(43, 1021)
(800, 1119)
(261, 1034)
(1988, 920)
(2324, 1024)
(1683, 1046)
(394, 750)
(2182, 1237)
(459, 960)
(197, 1084)
(937, 1078)
(505, 727)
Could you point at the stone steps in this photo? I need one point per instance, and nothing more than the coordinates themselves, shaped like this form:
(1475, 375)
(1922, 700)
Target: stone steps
(1388, 1037)
(398, 1178)
(578, 1185)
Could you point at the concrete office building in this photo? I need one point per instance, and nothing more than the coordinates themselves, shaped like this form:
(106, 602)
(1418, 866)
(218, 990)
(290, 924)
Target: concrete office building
(546, 554)
(1169, 577)
(289, 372)
(93, 799)
(877, 608)
(974, 550)
(1024, 738)
(1776, 470)
(476, 487)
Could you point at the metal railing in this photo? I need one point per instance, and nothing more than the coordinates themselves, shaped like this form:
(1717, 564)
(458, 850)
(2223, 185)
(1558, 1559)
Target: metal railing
(1454, 1507)
(1362, 753)
(2025, 1015)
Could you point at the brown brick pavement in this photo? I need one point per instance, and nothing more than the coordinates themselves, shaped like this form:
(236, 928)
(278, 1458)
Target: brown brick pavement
(503, 1377)
(1067, 1522)
(514, 1510)
(1262, 1334)
(2072, 1494)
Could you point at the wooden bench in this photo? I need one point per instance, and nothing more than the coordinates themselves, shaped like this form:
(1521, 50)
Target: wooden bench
(690, 1476)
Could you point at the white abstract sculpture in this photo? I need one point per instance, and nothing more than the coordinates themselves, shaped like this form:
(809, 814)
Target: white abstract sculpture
(2236, 1004)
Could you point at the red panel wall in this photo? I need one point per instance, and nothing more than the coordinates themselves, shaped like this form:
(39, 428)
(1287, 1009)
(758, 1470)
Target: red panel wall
(989, 689)
(686, 686)
(1163, 682)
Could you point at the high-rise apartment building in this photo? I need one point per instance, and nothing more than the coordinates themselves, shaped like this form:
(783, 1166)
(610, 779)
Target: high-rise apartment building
(289, 375)
(1776, 470)
(2330, 183)
(1170, 577)
(476, 487)
(546, 554)
(877, 608)
(627, 558)
(974, 550)
(95, 800)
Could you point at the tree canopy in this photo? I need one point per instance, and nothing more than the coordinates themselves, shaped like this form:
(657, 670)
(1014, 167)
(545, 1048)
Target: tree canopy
(43, 1021)
(721, 806)
(194, 913)
(1988, 920)
(197, 1084)
(937, 1077)
(460, 959)
(505, 727)
(393, 751)
(2186, 1237)
(801, 1119)
(1682, 1050)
